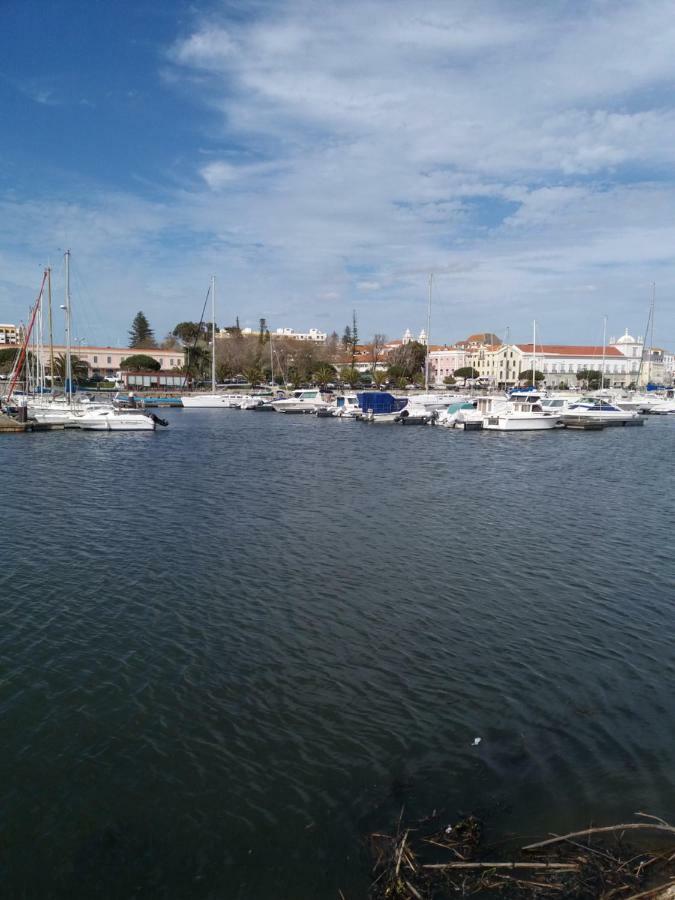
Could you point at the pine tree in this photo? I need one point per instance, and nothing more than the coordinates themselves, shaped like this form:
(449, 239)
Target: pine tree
(141, 334)
(347, 337)
(355, 338)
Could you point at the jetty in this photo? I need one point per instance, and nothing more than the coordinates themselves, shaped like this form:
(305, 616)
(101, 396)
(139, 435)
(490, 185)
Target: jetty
(9, 425)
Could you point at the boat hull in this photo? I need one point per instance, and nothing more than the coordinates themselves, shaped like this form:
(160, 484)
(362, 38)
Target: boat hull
(519, 423)
(208, 401)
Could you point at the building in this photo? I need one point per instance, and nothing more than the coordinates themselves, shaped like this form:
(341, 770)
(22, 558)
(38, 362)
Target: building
(9, 334)
(444, 361)
(318, 337)
(107, 360)
(558, 363)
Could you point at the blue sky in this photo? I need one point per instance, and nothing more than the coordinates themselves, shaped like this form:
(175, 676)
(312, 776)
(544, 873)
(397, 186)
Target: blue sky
(320, 158)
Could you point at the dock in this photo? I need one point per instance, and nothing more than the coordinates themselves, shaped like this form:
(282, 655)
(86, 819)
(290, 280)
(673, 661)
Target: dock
(8, 425)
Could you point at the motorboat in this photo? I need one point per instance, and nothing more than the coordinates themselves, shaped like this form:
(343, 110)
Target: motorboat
(663, 406)
(301, 401)
(380, 406)
(454, 411)
(522, 412)
(598, 411)
(114, 420)
(210, 401)
(347, 406)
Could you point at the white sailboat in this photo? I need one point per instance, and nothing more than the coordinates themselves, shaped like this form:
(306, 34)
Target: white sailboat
(212, 400)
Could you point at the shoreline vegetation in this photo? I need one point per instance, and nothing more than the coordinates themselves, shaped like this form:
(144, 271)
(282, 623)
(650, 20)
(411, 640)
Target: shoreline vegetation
(429, 859)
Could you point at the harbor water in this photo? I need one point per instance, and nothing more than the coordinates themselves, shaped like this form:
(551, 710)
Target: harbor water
(233, 647)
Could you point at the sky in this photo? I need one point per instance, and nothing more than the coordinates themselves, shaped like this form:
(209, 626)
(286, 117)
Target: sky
(320, 158)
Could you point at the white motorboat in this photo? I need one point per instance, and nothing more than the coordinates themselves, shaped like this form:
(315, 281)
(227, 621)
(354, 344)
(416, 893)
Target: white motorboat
(599, 411)
(114, 420)
(347, 406)
(208, 401)
(663, 406)
(301, 401)
(522, 412)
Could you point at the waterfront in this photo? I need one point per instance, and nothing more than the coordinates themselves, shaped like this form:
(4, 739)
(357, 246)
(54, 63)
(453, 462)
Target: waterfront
(231, 648)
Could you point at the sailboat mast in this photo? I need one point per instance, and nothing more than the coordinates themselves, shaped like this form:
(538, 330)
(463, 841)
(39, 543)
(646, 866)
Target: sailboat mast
(426, 359)
(213, 333)
(604, 344)
(271, 362)
(69, 361)
(51, 331)
(534, 350)
(651, 339)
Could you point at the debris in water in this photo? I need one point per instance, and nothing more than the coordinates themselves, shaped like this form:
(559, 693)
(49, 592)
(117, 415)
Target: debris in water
(476, 741)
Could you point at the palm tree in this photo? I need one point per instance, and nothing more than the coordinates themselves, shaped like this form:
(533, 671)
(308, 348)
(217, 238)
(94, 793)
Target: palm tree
(379, 379)
(79, 368)
(324, 374)
(350, 376)
(253, 375)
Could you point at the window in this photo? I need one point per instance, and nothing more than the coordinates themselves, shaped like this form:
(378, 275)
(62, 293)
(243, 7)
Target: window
(109, 360)
(96, 359)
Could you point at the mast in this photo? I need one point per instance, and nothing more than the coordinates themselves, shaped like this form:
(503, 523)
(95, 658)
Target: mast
(604, 344)
(271, 362)
(426, 358)
(69, 361)
(213, 333)
(534, 350)
(651, 339)
(51, 332)
(644, 339)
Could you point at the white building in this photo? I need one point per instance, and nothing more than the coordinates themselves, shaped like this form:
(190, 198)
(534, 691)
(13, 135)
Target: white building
(9, 334)
(318, 337)
(558, 363)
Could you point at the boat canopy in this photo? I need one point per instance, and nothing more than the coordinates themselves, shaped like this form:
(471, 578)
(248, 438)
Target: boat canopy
(380, 402)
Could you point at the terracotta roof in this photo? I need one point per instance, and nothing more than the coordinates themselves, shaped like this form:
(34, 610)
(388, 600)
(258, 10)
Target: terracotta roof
(570, 350)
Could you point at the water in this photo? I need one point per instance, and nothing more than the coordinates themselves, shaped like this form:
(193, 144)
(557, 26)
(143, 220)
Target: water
(232, 647)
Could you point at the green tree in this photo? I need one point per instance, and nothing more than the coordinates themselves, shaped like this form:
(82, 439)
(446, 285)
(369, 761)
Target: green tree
(197, 361)
(407, 360)
(466, 372)
(449, 380)
(188, 333)
(141, 334)
(140, 362)
(324, 374)
(379, 379)
(350, 376)
(347, 338)
(526, 376)
(591, 377)
(253, 375)
(355, 338)
(7, 358)
(78, 367)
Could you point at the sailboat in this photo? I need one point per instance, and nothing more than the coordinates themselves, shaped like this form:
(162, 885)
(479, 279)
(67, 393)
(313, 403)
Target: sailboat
(83, 414)
(212, 400)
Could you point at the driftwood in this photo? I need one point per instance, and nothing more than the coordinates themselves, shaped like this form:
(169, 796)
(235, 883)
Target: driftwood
(538, 866)
(431, 859)
(631, 826)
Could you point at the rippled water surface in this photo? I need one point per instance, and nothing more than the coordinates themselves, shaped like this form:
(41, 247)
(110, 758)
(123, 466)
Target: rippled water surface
(231, 647)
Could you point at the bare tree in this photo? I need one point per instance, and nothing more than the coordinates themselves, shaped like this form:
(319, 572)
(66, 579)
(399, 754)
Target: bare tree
(377, 350)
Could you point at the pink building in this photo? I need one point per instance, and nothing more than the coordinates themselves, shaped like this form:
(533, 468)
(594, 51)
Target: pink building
(444, 361)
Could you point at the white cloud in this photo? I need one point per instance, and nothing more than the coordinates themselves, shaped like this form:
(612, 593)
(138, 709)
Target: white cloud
(525, 150)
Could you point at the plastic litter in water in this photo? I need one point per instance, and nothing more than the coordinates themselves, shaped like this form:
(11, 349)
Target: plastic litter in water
(476, 741)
